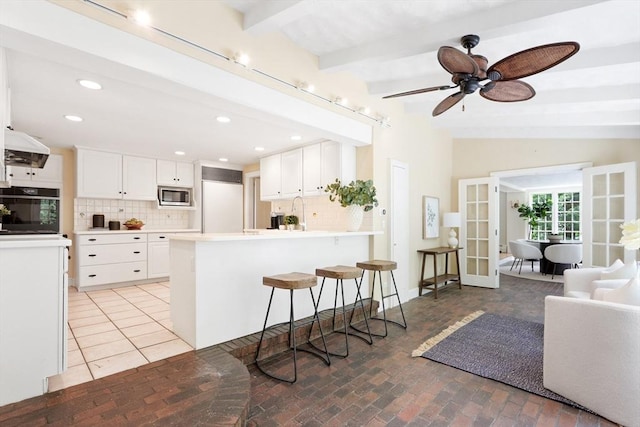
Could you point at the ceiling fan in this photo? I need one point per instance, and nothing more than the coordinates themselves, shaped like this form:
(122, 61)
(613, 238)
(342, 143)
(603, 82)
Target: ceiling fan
(469, 70)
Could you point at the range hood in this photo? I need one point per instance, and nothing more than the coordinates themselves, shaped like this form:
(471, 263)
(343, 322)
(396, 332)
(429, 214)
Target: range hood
(22, 150)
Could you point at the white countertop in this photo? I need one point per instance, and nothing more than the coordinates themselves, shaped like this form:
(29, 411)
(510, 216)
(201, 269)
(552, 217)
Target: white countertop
(142, 230)
(32, 241)
(268, 234)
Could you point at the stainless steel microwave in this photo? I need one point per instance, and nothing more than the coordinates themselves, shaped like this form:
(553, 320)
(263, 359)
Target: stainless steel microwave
(173, 196)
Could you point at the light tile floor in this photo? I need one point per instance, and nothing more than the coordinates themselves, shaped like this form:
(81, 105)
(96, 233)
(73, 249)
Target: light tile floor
(117, 329)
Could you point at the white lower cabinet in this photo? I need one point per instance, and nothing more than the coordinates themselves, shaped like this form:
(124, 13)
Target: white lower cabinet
(158, 255)
(33, 315)
(110, 258)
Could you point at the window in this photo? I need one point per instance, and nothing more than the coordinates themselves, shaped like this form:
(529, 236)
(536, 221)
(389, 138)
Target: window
(545, 225)
(569, 215)
(564, 218)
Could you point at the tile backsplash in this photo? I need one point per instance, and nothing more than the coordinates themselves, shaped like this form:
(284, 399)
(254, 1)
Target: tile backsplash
(122, 210)
(323, 214)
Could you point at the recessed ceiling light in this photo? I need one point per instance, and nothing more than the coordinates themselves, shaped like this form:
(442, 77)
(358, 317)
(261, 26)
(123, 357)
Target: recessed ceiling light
(179, 153)
(223, 119)
(141, 17)
(259, 148)
(223, 159)
(73, 118)
(89, 84)
(296, 137)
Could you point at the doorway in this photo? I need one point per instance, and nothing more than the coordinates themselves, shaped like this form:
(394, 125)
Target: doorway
(398, 225)
(257, 212)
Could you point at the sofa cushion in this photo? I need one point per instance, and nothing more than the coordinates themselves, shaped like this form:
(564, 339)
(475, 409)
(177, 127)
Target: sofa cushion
(628, 294)
(627, 271)
(598, 294)
(614, 266)
(578, 294)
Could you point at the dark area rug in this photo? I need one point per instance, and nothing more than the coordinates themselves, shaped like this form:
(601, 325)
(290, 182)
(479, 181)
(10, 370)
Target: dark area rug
(500, 348)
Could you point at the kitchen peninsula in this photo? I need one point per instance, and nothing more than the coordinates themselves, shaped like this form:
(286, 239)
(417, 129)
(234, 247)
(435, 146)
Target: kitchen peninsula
(216, 279)
(33, 313)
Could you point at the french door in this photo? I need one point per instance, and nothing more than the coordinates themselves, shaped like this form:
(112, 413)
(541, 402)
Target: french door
(478, 201)
(609, 200)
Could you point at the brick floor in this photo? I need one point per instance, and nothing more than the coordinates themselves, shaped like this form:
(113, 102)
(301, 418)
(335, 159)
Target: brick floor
(378, 385)
(383, 385)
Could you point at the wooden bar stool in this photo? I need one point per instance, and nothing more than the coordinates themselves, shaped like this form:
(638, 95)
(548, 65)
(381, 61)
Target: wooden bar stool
(292, 281)
(341, 272)
(378, 266)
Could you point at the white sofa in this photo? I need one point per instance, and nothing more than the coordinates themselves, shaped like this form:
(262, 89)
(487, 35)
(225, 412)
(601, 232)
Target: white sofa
(592, 355)
(581, 283)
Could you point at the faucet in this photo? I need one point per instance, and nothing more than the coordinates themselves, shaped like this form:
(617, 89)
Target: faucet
(303, 224)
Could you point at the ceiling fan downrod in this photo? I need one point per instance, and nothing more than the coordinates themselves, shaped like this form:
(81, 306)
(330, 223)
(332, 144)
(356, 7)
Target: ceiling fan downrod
(469, 42)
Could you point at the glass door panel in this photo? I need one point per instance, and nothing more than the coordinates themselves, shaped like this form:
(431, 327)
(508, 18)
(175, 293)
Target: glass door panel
(478, 237)
(610, 200)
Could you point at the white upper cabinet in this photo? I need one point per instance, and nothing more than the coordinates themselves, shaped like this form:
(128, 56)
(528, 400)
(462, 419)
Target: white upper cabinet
(292, 173)
(50, 176)
(270, 177)
(105, 175)
(99, 174)
(306, 171)
(281, 175)
(326, 161)
(177, 174)
(139, 178)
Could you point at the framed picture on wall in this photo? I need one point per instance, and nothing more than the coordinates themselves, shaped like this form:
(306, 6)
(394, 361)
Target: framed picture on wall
(430, 217)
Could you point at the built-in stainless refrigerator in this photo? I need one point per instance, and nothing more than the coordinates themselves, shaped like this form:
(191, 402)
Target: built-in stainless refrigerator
(222, 206)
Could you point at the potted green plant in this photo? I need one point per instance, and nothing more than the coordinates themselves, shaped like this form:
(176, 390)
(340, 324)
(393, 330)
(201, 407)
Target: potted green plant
(291, 221)
(534, 213)
(358, 196)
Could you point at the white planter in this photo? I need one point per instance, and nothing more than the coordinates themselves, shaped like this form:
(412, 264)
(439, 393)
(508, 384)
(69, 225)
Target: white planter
(355, 214)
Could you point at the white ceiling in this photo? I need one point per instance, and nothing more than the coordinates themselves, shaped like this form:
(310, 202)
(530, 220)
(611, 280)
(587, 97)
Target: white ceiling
(390, 44)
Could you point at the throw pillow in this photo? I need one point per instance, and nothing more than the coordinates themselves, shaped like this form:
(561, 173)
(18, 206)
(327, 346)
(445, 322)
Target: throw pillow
(627, 271)
(628, 294)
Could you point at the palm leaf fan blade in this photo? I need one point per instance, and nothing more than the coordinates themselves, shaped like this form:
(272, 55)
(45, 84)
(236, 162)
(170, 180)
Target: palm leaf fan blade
(509, 91)
(456, 62)
(447, 103)
(532, 61)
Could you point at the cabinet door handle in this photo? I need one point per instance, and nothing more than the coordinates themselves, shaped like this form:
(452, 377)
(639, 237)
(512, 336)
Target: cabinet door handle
(33, 174)
(92, 255)
(136, 238)
(92, 240)
(161, 237)
(136, 271)
(136, 252)
(92, 275)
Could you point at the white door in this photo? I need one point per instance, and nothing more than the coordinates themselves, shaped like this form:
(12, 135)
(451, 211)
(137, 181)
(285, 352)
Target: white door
(478, 201)
(399, 226)
(609, 199)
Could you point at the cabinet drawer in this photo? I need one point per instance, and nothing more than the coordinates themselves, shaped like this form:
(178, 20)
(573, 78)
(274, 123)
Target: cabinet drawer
(102, 274)
(158, 237)
(106, 238)
(110, 254)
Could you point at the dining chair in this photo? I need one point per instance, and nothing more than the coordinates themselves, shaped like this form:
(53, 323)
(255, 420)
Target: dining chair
(564, 254)
(523, 252)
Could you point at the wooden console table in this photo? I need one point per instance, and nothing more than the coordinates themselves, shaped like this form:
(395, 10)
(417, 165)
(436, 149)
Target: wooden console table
(439, 279)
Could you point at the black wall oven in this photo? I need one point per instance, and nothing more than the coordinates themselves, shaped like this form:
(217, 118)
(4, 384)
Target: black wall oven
(33, 210)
